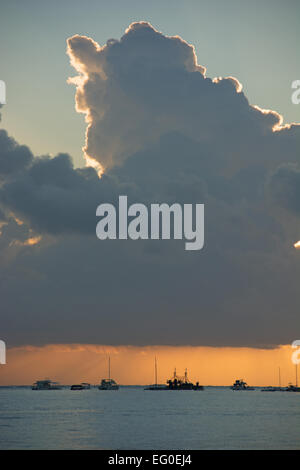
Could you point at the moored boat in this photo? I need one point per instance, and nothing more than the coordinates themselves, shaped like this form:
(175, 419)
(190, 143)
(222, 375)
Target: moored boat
(292, 388)
(275, 389)
(46, 384)
(182, 383)
(76, 387)
(156, 386)
(177, 383)
(240, 385)
(108, 384)
(82, 386)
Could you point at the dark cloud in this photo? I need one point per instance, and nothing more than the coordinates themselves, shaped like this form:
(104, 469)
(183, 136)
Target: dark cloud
(13, 157)
(284, 186)
(53, 197)
(163, 132)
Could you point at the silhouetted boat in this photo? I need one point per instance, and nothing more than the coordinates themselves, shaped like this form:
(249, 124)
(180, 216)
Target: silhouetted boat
(240, 385)
(275, 389)
(108, 384)
(82, 386)
(291, 387)
(177, 383)
(182, 383)
(156, 386)
(46, 385)
(76, 387)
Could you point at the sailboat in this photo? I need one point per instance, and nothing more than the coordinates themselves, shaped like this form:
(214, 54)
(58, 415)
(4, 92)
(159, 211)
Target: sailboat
(274, 389)
(155, 386)
(108, 384)
(291, 387)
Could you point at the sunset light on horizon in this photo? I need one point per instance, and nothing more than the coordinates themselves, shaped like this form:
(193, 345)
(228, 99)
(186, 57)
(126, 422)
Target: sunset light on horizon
(72, 363)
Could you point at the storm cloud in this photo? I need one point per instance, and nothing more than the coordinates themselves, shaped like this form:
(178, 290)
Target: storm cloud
(158, 130)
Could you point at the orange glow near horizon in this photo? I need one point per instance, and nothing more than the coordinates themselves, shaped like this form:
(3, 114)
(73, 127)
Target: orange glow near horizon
(130, 365)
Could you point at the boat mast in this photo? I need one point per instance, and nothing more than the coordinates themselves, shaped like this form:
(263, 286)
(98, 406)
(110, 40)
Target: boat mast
(279, 377)
(109, 367)
(155, 371)
(296, 375)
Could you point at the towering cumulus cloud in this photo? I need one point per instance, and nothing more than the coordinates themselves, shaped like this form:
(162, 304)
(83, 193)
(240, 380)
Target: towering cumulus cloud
(158, 130)
(122, 85)
(146, 85)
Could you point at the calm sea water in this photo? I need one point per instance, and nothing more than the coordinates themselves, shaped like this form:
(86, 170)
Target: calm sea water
(132, 418)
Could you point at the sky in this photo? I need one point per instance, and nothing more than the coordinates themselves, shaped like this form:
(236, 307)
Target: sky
(76, 363)
(256, 42)
(191, 105)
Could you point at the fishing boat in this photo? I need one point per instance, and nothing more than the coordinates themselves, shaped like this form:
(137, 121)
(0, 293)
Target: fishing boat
(240, 385)
(46, 384)
(182, 383)
(108, 384)
(177, 383)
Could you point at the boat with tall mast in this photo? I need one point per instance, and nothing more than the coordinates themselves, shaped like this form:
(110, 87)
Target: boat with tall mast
(275, 389)
(108, 384)
(155, 386)
(291, 387)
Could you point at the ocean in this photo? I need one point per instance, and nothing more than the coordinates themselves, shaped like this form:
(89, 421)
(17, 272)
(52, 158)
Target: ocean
(132, 418)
